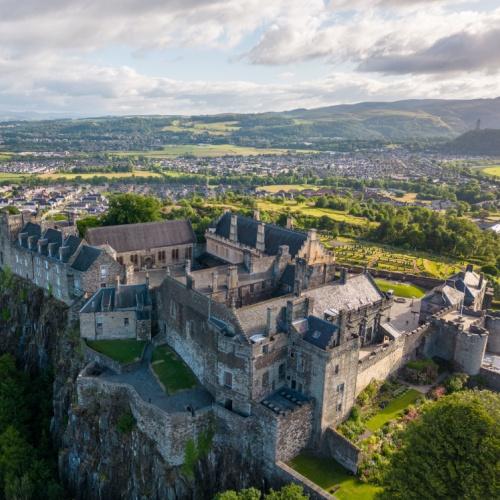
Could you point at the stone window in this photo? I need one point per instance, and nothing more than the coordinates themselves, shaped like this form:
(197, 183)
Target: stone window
(104, 272)
(175, 254)
(265, 379)
(336, 369)
(228, 380)
(120, 260)
(265, 349)
(162, 255)
(340, 387)
(188, 253)
(339, 407)
(281, 371)
(133, 258)
(125, 321)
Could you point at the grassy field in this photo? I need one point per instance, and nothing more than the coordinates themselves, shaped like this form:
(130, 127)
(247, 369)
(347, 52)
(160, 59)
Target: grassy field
(109, 175)
(123, 351)
(204, 150)
(5, 156)
(393, 409)
(173, 373)
(406, 290)
(493, 170)
(213, 128)
(332, 477)
(7, 176)
(306, 209)
(274, 188)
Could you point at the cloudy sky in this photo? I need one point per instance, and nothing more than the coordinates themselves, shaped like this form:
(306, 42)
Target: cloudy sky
(96, 57)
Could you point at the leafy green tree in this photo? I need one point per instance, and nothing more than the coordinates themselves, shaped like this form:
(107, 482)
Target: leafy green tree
(132, 208)
(288, 492)
(246, 494)
(452, 451)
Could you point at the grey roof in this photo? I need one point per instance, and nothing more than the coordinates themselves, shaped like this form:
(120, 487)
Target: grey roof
(320, 332)
(86, 257)
(131, 237)
(124, 297)
(274, 236)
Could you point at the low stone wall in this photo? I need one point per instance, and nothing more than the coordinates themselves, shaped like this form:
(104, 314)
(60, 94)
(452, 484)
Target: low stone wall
(491, 378)
(93, 356)
(169, 431)
(286, 474)
(338, 447)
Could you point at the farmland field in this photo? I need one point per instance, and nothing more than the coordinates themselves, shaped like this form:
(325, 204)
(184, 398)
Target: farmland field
(493, 170)
(274, 188)
(204, 150)
(214, 128)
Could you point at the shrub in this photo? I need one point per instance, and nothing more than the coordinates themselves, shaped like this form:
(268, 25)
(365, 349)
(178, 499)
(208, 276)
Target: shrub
(456, 382)
(422, 371)
(125, 423)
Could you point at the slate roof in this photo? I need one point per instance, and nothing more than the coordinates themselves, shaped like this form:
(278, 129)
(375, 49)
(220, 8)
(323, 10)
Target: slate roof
(444, 295)
(131, 237)
(124, 297)
(274, 236)
(86, 257)
(320, 332)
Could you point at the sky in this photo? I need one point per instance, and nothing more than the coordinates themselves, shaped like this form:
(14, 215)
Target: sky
(122, 57)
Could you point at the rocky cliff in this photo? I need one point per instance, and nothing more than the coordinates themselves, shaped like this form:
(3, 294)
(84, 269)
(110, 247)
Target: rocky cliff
(102, 453)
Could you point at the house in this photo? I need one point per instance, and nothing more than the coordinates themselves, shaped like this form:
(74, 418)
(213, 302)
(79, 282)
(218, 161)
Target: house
(118, 312)
(147, 245)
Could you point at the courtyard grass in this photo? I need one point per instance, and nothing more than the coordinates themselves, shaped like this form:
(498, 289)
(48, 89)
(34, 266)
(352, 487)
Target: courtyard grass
(123, 351)
(172, 372)
(406, 290)
(333, 478)
(394, 408)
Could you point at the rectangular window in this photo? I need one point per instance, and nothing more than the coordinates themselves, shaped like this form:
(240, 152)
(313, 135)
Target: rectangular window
(340, 387)
(161, 255)
(265, 349)
(120, 260)
(339, 407)
(336, 369)
(281, 371)
(265, 379)
(104, 272)
(125, 321)
(175, 254)
(228, 380)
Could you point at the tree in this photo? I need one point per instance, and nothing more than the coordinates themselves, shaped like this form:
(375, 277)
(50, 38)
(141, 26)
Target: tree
(287, 492)
(452, 451)
(132, 208)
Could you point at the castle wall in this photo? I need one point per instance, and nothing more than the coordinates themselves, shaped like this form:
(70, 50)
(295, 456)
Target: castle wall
(492, 324)
(336, 446)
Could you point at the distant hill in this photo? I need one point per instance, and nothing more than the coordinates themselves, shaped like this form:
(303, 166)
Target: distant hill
(341, 127)
(476, 142)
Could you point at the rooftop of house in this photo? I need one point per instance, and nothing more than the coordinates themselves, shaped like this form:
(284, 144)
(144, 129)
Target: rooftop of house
(274, 236)
(132, 237)
(444, 295)
(119, 298)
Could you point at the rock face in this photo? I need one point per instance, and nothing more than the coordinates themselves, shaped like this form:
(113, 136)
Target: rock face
(98, 457)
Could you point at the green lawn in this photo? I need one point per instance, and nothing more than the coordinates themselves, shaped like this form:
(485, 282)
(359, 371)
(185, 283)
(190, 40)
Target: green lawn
(173, 373)
(327, 473)
(123, 351)
(392, 410)
(400, 289)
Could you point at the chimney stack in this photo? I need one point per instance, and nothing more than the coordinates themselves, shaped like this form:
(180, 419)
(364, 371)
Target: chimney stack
(343, 276)
(469, 268)
(117, 283)
(232, 277)
(63, 251)
(270, 322)
(261, 239)
(52, 249)
(187, 266)
(233, 229)
(312, 235)
(215, 277)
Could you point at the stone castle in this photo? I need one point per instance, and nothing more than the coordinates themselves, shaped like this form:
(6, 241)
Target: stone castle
(280, 337)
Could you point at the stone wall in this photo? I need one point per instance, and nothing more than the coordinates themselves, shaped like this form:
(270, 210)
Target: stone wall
(286, 474)
(169, 431)
(491, 378)
(336, 446)
(492, 324)
(92, 356)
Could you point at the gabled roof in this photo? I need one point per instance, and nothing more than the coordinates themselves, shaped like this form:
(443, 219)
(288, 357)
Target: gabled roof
(86, 257)
(131, 237)
(123, 297)
(274, 236)
(320, 332)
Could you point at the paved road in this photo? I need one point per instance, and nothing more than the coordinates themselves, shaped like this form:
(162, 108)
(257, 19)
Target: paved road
(148, 388)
